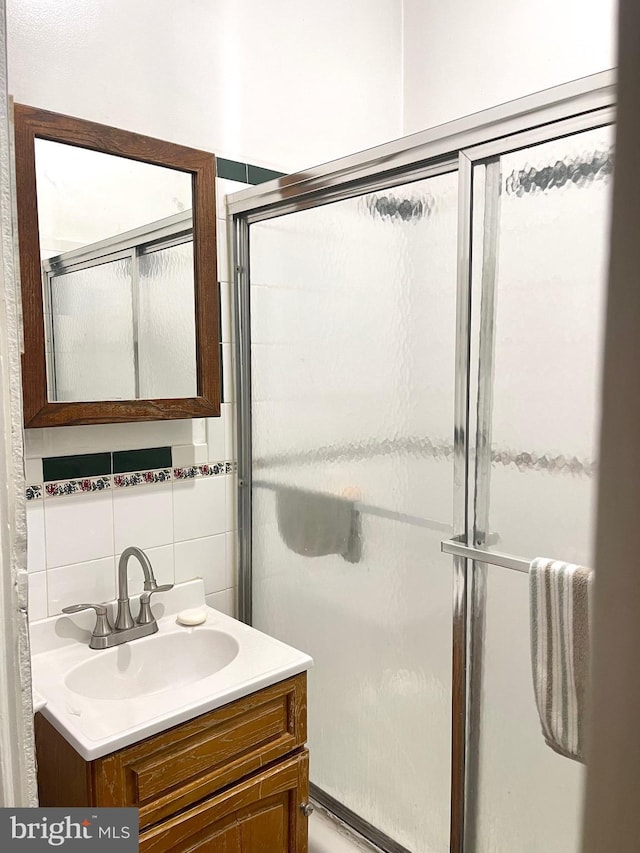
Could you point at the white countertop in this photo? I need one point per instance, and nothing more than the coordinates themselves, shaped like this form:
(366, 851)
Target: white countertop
(98, 726)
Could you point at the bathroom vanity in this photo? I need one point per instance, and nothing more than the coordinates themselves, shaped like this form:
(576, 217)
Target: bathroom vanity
(203, 729)
(235, 779)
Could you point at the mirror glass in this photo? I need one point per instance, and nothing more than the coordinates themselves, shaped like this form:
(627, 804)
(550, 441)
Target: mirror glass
(116, 244)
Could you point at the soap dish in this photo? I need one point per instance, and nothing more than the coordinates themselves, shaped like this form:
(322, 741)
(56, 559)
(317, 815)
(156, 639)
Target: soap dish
(194, 616)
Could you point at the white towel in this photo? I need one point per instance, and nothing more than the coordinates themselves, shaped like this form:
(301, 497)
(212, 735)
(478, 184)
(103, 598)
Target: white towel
(560, 603)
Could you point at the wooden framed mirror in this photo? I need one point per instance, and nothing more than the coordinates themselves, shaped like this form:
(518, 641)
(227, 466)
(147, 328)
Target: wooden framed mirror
(117, 247)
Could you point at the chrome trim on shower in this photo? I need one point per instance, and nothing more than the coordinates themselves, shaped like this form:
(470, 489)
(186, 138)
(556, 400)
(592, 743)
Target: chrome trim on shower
(460, 515)
(570, 99)
(483, 330)
(370, 184)
(598, 117)
(242, 322)
(363, 828)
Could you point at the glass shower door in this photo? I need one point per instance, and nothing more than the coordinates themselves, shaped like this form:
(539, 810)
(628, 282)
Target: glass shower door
(353, 321)
(543, 310)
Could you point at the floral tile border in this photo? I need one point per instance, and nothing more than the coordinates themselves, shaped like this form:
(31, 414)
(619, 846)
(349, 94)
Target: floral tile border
(75, 487)
(142, 478)
(211, 469)
(86, 485)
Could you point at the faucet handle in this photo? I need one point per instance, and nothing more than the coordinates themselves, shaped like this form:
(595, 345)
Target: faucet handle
(146, 616)
(103, 626)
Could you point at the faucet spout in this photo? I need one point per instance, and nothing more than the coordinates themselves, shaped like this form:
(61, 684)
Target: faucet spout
(125, 629)
(124, 619)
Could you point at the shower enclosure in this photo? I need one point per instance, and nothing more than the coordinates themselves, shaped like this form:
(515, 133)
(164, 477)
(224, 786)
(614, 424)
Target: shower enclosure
(418, 345)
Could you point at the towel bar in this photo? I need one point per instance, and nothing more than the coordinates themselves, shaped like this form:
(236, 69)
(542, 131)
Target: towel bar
(450, 546)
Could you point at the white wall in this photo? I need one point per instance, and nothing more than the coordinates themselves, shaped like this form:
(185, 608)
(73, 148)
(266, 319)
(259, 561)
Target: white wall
(286, 84)
(461, 56)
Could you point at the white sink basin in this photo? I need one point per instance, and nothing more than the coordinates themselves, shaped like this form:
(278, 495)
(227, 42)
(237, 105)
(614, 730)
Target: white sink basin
(101, 701)
(153, 664)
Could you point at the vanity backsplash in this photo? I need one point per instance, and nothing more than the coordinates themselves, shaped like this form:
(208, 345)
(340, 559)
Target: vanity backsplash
(84, 510)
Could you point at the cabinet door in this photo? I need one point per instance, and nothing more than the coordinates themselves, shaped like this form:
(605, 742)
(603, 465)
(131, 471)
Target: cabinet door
(171, 771)
(260, 815)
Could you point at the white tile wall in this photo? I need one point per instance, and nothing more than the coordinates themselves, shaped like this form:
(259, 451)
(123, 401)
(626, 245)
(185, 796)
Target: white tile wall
(62, 441)
(38, 595)
(199, 431)
(225, 187)
(93, 582)
(199, 507)
(78, 528)
(225, 601)
(228, 375)
(231, 502)
(231, 558)
(229, 413)
(36, 558)
(184, 455)
(75, 542)
(204, 558)
(33, 471)
(216, 436)
(143, 516)
(224, 255)
(226, 312)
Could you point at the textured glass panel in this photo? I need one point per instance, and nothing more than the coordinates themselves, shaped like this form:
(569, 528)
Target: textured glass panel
(353, 333)
(167, 332)
(527, 797)
(92, 325)
(551, 285)
(551, 282)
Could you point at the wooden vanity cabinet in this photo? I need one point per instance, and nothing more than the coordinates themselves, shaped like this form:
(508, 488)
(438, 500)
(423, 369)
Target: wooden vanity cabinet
(233, 780)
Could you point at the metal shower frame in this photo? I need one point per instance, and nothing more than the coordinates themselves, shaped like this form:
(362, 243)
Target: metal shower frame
(465, 145)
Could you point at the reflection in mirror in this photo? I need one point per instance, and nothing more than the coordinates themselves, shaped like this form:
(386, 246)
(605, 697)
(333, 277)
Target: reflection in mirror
(116, 245)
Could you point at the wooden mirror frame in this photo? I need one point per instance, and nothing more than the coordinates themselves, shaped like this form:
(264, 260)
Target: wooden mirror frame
(32, 123)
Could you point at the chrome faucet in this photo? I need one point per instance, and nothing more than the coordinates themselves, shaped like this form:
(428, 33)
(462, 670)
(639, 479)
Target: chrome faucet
(105, 636)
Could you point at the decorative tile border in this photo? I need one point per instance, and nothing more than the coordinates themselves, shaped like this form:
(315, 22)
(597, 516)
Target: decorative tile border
(74, 487)
(212, 469)
(141, 478)
(86, 485)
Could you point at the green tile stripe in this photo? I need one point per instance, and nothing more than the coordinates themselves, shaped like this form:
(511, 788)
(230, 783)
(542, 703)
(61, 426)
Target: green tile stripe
(147, 459)
(258, 175)
(232, 170)
(74, 467)
(97, 464)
